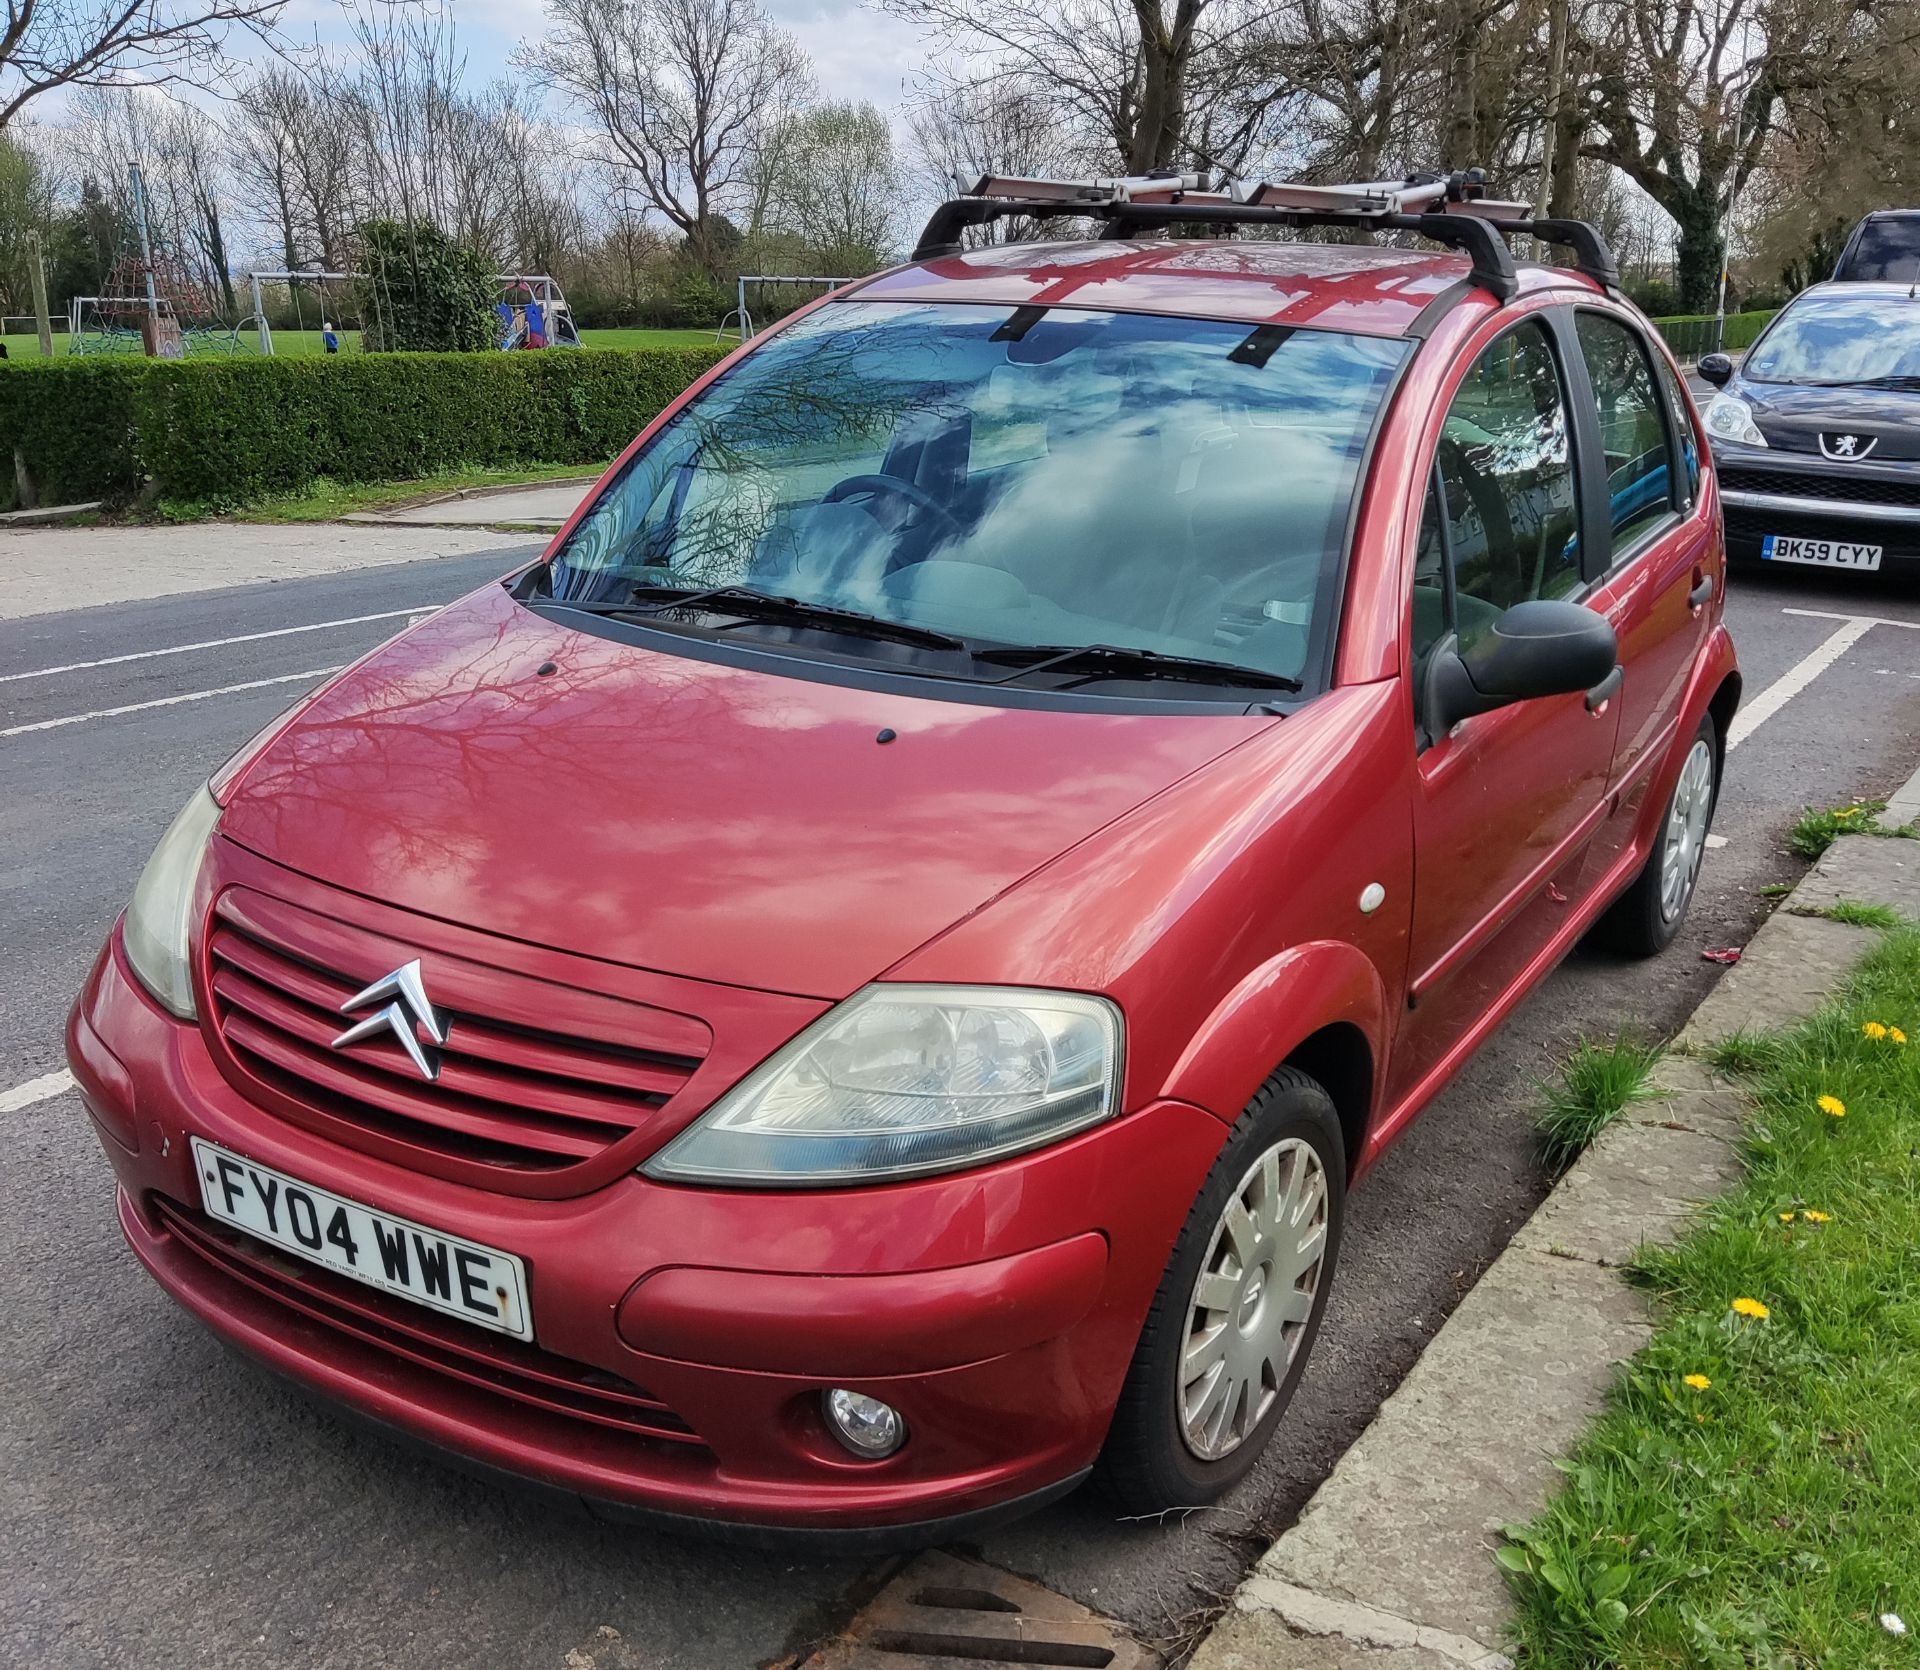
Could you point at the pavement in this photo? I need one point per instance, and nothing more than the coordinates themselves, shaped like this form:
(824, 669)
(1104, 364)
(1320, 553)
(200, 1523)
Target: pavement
(541, 505)
(162, 1504)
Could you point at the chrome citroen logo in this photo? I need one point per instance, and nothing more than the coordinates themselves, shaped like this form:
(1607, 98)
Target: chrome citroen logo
(1848, 446)
(406, 1012)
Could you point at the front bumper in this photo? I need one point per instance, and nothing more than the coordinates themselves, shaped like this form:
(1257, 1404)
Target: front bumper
(1808, 496)
(684, 1336)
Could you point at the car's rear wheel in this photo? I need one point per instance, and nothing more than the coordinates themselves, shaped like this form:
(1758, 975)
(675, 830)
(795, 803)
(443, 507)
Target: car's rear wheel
(1645, 918)
(1227, 1338)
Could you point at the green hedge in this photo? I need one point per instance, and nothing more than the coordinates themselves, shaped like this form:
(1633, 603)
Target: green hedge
(226, 432)
(1690, 335)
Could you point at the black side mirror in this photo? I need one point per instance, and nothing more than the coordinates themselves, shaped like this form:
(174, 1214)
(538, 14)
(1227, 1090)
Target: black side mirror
(1541, 648)
(1716, 368)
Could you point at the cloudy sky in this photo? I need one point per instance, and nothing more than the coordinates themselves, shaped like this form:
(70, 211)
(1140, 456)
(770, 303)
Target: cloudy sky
(858, 51)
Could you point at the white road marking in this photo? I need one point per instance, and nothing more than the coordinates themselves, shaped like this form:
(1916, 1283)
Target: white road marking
(44, 1088)
(168, 701)
(415, 615)
(1871, 620)
(1797, 677)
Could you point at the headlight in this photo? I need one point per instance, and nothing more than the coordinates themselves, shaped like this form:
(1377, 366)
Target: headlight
(156, 927)
(902, 1081)
(1731, 419)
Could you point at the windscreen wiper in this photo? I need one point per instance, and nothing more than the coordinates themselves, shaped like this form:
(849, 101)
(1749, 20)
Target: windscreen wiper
(749, 604)
(1121, 661)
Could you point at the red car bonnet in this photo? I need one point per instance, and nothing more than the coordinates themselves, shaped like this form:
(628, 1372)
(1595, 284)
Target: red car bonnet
(678, 814)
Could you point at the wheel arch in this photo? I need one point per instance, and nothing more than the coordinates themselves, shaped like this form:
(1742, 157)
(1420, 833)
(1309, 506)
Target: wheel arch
(1321, 1008)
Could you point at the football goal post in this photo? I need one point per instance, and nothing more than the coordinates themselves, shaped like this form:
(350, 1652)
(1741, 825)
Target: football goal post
(741, 321)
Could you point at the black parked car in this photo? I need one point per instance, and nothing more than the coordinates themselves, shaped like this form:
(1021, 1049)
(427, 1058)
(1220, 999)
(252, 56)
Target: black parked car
(1816, 434)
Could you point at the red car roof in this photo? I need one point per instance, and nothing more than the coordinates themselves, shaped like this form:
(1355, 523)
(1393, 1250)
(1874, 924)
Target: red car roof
(1350, 287)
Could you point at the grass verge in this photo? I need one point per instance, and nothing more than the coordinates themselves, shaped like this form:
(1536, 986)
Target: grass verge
(1752, 1496)
(1817, 828)
(1599, 1083)
(327, 501)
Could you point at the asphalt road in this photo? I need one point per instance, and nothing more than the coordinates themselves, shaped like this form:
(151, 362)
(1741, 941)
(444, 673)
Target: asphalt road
(162, 1504)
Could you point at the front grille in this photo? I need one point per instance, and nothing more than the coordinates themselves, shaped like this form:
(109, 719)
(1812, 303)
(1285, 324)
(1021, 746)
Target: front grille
(510, 1094)
(1798, 484)
(506, 1367)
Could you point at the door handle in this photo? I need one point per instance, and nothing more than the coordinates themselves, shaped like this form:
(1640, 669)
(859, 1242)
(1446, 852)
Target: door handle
(1606, 689)
(1701, 592)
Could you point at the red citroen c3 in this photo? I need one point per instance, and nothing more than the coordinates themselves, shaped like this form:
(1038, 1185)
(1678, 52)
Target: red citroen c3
(851, 993)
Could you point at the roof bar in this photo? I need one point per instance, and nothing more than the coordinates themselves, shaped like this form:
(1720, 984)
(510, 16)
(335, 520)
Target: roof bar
(1452, 209)
(1477, 237)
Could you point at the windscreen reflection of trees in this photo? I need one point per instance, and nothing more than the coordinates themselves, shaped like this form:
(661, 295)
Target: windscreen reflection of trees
(1106, 477)
(1841, 342)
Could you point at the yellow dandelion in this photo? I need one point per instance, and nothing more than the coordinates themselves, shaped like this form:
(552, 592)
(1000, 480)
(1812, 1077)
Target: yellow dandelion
(1894, 1033)
(1814, 1217)
(1874, 1030)
(1786, 1217)
(1699, 1382)
(1832, 1106)
(1752, 1308)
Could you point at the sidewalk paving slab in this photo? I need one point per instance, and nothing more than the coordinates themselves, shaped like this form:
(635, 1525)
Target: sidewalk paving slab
(1407, 1523)
(1882, 871)
(1787, 971)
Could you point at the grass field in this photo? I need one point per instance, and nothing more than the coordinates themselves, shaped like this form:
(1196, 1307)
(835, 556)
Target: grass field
(1751, 1500)
(308, 342)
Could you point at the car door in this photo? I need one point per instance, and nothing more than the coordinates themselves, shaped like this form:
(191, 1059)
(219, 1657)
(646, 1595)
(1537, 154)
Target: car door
(1662, 564)
(1507, 802)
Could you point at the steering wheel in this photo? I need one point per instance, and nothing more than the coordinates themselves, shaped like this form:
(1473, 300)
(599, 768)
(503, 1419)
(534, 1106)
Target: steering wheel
(867, 486)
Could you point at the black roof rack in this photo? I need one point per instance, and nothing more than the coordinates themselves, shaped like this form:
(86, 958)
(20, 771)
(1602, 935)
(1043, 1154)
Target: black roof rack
(1450, 209)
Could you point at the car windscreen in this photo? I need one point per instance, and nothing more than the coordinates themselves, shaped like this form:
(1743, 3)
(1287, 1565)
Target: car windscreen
(1838, 338)
(1012, 477)
(1882, 250)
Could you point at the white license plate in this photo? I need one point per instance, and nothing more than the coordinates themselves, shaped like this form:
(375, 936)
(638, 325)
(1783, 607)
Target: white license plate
(457, 1278)
(1823, 553)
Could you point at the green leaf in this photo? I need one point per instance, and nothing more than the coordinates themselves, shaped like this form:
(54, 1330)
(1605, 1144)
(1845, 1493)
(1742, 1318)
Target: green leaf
(1513, 1559)
(1612, 1581)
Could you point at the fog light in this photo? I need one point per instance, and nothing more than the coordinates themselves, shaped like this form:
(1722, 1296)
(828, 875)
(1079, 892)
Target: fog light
(868, 1427)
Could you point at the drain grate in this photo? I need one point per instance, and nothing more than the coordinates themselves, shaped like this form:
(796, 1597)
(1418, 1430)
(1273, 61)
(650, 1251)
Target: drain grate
(946, 1613)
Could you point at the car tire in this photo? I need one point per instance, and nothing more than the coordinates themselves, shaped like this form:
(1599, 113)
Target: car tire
(1645, 918)
(1178, 1439)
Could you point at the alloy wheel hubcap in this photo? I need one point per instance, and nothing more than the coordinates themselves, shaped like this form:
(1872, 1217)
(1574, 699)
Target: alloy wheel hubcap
(1685, 841)
(1249, 1308)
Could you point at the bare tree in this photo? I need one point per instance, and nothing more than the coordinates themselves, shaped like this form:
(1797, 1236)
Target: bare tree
(964, 132)
(1686, 95)
(46, 44)
(683, 93)
(1146, 84)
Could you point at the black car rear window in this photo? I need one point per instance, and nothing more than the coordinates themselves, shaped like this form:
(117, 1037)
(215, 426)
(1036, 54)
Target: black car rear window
(1884, 248)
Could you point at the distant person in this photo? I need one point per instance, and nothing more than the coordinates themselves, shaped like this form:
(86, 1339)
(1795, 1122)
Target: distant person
(3, 351)
(329, 337)
(536, 325)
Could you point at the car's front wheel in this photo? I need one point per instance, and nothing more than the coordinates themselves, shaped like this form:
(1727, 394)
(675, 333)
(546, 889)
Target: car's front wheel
(1227, 1337)
(1645, 918)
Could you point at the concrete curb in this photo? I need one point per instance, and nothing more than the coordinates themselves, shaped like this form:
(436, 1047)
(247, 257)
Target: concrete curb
(1390, 1566)
(1903, 807)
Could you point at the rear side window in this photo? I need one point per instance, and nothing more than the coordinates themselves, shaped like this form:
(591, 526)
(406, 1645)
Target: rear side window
(1633, 430)
(1507, 514)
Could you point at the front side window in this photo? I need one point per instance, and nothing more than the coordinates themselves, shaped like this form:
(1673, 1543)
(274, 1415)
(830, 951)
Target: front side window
(1012, 479)
(1504, 510)
(1633, 432)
